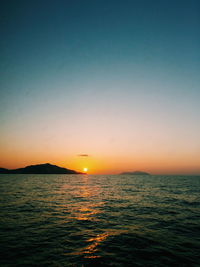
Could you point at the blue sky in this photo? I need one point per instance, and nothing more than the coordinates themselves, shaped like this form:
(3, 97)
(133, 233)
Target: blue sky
(117, 69)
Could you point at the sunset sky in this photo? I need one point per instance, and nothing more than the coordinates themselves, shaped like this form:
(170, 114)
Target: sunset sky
(117, 81)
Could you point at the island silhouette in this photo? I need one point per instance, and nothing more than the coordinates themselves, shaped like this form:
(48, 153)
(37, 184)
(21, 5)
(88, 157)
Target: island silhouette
(135, 173)
(46, 168)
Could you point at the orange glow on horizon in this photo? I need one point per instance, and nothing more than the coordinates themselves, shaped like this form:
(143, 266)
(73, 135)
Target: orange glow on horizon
(116, 165)
(106, 162)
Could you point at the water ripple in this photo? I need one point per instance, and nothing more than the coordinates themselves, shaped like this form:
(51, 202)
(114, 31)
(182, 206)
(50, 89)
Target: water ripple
(75, 220)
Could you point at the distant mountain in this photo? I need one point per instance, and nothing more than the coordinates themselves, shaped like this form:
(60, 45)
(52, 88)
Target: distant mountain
(135, 173)
(40, 169)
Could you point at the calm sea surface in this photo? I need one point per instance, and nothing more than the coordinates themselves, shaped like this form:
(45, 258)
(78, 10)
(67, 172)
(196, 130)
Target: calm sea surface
(80, 220)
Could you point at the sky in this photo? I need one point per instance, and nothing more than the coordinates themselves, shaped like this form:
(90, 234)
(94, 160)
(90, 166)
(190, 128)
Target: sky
(110, 85)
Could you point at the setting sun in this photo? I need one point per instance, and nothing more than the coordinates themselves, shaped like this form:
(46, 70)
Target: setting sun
(85, 169)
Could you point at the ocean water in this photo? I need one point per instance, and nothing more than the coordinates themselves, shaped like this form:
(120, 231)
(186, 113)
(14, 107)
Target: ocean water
(86, 220)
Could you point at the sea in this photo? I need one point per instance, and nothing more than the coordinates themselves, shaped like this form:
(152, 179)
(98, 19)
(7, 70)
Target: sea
(99, 220)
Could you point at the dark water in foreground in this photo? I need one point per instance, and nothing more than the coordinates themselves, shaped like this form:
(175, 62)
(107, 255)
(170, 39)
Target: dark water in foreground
(77, 220)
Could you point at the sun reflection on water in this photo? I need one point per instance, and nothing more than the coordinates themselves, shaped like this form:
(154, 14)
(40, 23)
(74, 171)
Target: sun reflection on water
(86, 205)
(90, 249)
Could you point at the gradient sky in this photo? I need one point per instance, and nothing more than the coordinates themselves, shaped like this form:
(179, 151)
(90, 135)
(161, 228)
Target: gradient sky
(117, 80)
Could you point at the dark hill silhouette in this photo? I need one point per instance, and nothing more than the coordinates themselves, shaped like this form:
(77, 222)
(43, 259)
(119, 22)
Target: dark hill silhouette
(40, 169)
(136, 173)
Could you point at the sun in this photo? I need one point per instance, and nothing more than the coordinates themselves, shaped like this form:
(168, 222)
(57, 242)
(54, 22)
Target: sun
(85, 169)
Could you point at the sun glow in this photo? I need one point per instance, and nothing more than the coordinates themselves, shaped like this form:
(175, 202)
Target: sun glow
(85, 169)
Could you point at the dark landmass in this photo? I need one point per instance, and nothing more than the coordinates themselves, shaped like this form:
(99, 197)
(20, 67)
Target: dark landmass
(3, 170)
(40, 169)
(135, 173)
